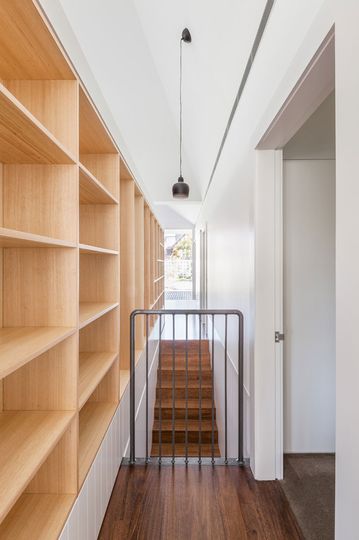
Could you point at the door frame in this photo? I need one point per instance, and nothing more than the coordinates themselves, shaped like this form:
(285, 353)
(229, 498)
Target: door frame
(314, 85)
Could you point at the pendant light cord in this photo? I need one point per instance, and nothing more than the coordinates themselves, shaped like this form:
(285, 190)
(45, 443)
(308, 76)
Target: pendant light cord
(180, 108)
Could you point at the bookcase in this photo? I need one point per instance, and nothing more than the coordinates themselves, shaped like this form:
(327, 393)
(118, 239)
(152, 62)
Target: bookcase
(78, 247)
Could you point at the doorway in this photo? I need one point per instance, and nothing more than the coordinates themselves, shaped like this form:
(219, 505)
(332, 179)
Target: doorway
(309, 322)
(178, 253)
(282, 175)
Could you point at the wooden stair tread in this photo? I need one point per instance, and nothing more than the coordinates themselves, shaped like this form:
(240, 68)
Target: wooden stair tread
(180, 425)
(181, 353)
(180, 450)
(182, 370)
(181, 404)
(181, 383)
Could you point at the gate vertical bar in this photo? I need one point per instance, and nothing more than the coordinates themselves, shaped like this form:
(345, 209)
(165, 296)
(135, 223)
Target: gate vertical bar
(160, 396)
(173, 386)
(200, 391)
(240, 387)
(147, 459)
(212, 441)
(186, 393)
(132, 390)
(225, 393)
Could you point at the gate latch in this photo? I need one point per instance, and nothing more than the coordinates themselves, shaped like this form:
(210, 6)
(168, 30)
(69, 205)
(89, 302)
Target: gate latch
(278, 337)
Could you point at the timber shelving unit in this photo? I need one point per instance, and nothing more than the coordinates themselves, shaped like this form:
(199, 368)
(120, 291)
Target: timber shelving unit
(141, 240)
(63, 305)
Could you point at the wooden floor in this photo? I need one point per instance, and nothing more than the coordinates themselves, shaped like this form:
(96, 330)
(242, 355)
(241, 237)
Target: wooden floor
(196, 503)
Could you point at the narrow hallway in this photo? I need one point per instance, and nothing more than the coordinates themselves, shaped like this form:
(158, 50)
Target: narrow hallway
(202, 503)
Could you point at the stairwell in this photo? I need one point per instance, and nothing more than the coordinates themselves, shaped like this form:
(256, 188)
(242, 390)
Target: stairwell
(164, 401)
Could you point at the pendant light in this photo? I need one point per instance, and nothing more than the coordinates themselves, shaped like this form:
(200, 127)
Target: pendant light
(180, 190)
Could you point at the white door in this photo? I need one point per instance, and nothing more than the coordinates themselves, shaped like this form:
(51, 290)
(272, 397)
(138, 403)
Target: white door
(267, 451)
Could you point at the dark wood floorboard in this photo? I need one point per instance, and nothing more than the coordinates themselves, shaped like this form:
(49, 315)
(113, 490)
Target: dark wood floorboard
(199, 503)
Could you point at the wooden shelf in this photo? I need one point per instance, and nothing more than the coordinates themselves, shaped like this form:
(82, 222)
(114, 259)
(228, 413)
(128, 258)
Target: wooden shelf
(28, 50)
(10, 238)
(93, 367)
(86, 248)
(90, 311)
(62, 182)
(37, 515)
(20, 345)
(23, 139)
(157, 299)
(26, 439)
(92, 191)
(94, 421)
(94, 137)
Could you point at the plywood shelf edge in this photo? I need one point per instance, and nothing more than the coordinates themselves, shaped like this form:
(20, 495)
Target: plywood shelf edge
(87, 248)
(90, 311)
(12, 238)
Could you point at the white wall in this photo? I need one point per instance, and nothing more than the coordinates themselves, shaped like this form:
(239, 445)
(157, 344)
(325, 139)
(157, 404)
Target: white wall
(283, 56)
(229, 205)
(309, 305)
(347, 270)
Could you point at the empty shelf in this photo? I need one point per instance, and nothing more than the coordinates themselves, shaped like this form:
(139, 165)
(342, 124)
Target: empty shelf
(37, 515)
(94, 421)
(20, 345)
(23, 139)
(26, 439)
(92, 191)
(11, 238)
(90, 311)
(93, 367)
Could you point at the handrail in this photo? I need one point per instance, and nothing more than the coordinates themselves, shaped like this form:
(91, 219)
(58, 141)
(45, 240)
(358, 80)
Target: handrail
(187, 312)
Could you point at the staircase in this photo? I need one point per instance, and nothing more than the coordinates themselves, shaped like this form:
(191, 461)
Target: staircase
(165, 375)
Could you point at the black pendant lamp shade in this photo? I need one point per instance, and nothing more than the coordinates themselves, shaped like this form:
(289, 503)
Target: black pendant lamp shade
(180, 190)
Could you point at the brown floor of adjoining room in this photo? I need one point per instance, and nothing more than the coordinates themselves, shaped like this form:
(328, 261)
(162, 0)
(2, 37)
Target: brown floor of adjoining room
(196, 503)
(309, 485)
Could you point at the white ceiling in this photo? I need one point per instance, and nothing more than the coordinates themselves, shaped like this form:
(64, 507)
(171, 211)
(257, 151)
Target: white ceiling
(132, 48)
